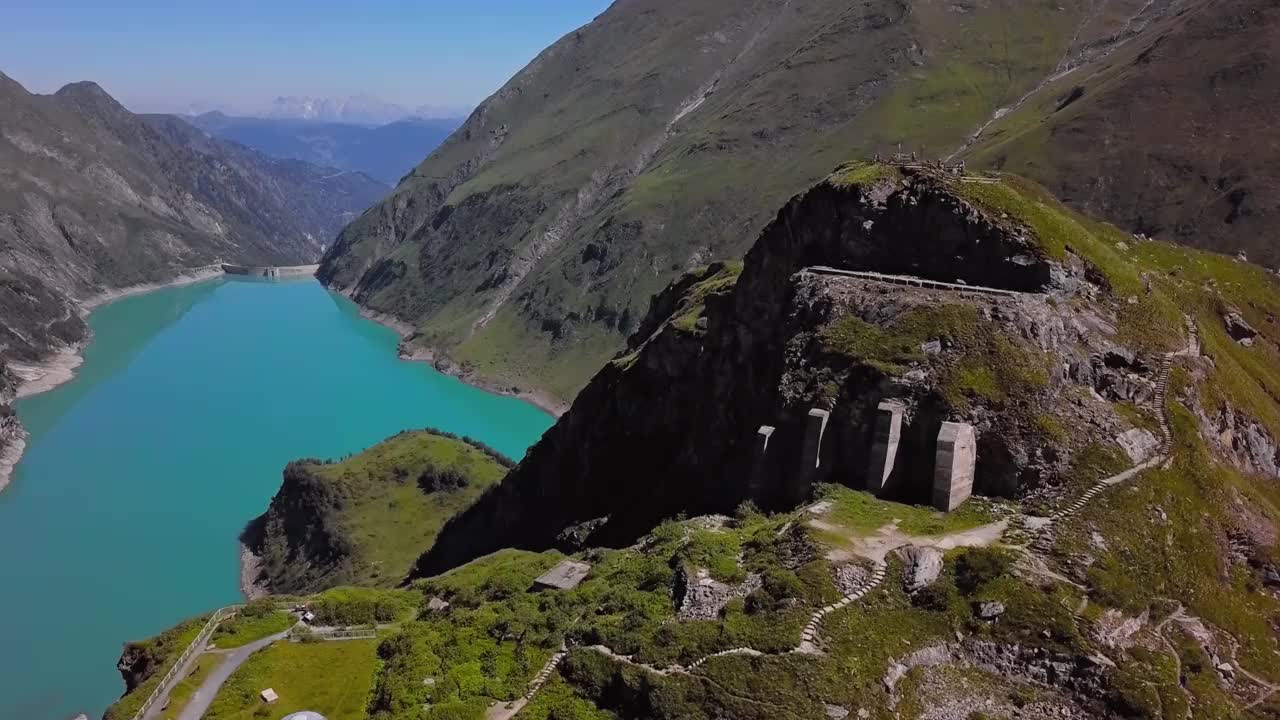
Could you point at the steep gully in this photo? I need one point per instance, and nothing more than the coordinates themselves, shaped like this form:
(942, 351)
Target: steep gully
(1072, 59)
(585, 200)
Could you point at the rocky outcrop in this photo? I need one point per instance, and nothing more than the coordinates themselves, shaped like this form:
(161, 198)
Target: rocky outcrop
(923, 566)
(701, 597)
(668, 426)
(1242, 440)
(1238, 328)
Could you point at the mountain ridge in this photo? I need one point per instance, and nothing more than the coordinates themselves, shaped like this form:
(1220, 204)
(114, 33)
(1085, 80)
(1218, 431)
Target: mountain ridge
(524, 248)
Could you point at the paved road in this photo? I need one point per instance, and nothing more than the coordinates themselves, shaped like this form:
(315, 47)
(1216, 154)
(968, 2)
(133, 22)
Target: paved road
(203, 697)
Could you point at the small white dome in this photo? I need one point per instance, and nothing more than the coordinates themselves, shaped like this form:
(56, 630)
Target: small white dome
(304, 715)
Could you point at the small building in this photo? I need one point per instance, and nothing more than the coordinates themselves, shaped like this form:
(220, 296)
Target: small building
(565, 576)
(269, 696)
(304, 715)
(436, 605)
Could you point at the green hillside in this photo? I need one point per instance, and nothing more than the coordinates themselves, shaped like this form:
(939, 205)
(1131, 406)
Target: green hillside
(366, 519)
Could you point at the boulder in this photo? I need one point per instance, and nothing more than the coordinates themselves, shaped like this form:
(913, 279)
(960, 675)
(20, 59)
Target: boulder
(1238, 328)
(990, 610)
(923, 566)
(1139, 444)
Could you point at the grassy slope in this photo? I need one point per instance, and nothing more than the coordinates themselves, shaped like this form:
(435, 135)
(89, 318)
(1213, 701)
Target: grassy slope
(1170, 135)
(378, 509)
(393, 523)
(332, 678)
(801, 97)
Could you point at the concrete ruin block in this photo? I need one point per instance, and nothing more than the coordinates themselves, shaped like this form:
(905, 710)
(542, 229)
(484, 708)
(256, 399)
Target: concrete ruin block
(884, 445)
(810, 454)
(760, 459)
(565, 576)
(954, 464)
(814, 429)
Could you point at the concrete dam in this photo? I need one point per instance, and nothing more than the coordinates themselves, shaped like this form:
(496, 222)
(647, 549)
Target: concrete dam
(286, 271)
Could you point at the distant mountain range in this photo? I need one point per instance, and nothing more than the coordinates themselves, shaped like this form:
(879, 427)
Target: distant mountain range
(387, 152)
(358, 109)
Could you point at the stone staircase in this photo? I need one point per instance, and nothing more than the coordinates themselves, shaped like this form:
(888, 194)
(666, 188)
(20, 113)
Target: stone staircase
(1043, 537)
(541, 678)
(808, 639)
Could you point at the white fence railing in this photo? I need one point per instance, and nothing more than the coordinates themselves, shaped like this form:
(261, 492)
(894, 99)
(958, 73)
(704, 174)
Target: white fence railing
(196, 646)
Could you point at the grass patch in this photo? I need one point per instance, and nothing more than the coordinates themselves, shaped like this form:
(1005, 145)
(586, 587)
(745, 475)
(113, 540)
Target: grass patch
(256, 621)
(331, 678)
(863, 513)
(693, 304)
(981, 360)
(1163, 534)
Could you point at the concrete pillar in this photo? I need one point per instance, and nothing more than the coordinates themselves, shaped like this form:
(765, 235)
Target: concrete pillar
(954, 465)
(884, 445)
(810, 453)
(760, 460)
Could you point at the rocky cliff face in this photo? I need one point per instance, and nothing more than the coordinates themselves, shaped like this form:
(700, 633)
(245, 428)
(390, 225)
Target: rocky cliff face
(670, 426)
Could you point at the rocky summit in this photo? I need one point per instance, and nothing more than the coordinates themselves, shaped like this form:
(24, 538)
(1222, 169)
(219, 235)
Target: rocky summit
(663, 136)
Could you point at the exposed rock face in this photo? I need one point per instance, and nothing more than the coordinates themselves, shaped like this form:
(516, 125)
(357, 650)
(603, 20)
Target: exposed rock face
(1244, 441)
(669, 427)
(924, 565)
(702, 597)
(1138, 444)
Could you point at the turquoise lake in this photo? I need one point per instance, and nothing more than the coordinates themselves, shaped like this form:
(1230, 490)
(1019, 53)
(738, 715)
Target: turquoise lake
(123, 516)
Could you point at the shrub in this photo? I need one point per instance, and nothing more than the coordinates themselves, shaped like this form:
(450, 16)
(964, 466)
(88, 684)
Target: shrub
(448, 479)
(979, 566)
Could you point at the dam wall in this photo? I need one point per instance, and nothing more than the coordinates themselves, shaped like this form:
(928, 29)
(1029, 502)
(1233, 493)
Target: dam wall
(287, 271)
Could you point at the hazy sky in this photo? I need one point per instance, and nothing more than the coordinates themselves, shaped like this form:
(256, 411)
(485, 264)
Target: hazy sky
(163, 55)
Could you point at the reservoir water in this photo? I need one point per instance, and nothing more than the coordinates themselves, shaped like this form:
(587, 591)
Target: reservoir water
(123, 516)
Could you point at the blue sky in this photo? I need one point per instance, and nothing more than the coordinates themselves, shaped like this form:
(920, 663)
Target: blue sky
(159, 55)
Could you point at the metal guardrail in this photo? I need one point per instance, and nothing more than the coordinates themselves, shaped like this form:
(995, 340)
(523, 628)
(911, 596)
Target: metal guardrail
(910, 281)
(196, 646)
(334, 635)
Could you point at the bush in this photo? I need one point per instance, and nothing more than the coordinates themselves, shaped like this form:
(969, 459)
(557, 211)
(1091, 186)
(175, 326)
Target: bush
(979, 566)
(448, 479)
(937, 597)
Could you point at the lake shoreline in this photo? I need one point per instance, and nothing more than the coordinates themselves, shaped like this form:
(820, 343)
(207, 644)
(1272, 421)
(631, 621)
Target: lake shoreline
(60, 366)
(442, 363)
